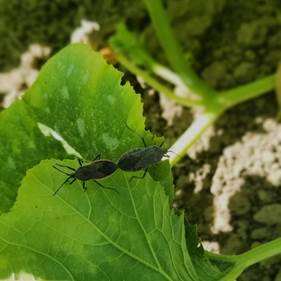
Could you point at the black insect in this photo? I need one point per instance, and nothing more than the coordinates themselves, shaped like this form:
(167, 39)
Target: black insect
(141, 159)
(98, 169)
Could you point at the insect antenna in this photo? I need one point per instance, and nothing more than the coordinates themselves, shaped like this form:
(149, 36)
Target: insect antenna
(63, 172)
(65, 166)
(162, 143)
(169, 151)
(106, 187)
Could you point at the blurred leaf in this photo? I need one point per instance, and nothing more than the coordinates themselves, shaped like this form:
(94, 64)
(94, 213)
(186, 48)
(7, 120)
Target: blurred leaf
(127, 43)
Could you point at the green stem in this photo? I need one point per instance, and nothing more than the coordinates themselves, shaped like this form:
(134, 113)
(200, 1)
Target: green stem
(154, 83)
(220, 257)
(165, 35)
(167, 75)
(261, 252)
(191, 135)
(243, 261)
(217, 106)
(173, 50)
(246, 92)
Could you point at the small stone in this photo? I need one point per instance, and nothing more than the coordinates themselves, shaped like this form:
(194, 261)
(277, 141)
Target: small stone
(265, 196)
(211, 246)
(240, 204)
(255, 244)
(250, 55)
(251, 34)
(269, 125)
(214, 73)
(267, 157)
(244, 69)
(259, 233)
(242, 229)
(270, 214)
(233, 245)
(209, 214)
(275, 178)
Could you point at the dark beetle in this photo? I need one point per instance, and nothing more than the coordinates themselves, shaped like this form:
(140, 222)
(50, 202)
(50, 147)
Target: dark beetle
(96, 170)
(141, 159)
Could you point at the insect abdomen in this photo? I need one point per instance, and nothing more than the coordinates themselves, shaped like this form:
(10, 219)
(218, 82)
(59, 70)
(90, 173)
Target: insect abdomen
(141, 158)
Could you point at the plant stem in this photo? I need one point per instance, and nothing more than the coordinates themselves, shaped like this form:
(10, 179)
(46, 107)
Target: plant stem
(220, 257)
(191, 136)
(217, 106)
(148, 79)
(168, 75)
(246, 92)
(243, 261)
(261, 252)
(173, 50)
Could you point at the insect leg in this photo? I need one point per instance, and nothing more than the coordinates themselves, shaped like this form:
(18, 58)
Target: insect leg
(170, 151)
(97, 157)
(106, 187)
(62, 185)
(143, 141)
(137, 177)
(84, 186)
(80, 161)
(73, 181)
(63, 172)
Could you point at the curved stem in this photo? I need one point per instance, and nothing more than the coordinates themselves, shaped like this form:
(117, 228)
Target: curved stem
(165, 35)
(261, 252)
(148, 79)
(168, 75)
(243, 261)
(191, 136)
(173, 50)
(228, 258)
(246, 92)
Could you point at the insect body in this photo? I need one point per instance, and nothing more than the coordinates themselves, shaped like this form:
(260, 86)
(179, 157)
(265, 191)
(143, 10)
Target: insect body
(96, 170)
(141, 159)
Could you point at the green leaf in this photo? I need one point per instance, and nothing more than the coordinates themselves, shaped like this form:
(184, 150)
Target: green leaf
(22, 146)
(78, 96)
(97, 235)
(100, 234)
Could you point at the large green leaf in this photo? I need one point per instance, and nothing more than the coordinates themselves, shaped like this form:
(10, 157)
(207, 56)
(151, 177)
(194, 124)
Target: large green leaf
(78, 96)
(96, 235)
(21, 146)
